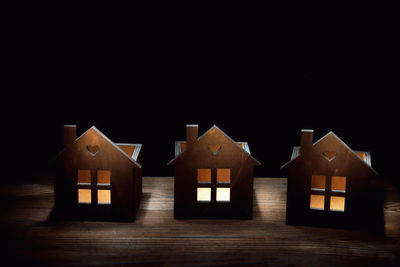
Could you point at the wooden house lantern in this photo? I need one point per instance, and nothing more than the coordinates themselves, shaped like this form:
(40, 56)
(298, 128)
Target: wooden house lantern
(328, 182)
(213, 176)
(97, 178)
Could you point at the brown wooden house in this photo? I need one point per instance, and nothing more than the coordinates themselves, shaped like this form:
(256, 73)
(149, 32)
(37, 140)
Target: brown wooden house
(328, 182)
(96, 178)
(213, 176)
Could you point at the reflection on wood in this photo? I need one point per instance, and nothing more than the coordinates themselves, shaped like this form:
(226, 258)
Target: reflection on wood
(156, 239)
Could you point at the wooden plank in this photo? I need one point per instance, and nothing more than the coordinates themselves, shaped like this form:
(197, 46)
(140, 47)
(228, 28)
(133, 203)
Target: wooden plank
(156, 239)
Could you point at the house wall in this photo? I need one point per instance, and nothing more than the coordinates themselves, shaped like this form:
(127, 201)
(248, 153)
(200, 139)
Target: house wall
(345, 164)
(124, 186)
(199, 156)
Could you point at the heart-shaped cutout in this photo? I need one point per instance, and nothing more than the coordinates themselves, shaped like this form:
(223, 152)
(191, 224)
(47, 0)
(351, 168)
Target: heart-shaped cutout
(93, 150)
(214, 149)
(329, 155)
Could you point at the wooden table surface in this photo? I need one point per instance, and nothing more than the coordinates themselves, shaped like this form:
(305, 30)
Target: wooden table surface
(156, 239)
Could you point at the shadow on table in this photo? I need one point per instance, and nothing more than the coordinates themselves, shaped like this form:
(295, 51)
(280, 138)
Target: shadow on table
(106, 215)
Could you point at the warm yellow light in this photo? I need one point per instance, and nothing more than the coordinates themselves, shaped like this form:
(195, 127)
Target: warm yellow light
(337, 203)
(204, 194)
(103, 196)
(84, 196)
(204, 176)
(223, 194)
(318, 182)
(317, 202)
(338, 184)
(103, 177)
(224, 176)
(84, 176)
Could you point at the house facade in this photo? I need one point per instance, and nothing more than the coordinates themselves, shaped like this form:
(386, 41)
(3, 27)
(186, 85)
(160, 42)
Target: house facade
(213, 176)
(328, 182)
(96, 178)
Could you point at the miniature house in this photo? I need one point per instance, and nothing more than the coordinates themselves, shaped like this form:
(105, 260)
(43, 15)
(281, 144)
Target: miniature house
(328, 182)
(97, 178)
(213, 176)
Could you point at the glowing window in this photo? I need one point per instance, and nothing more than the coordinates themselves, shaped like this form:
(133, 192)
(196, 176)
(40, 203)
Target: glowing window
(103, 196)
(223, 176)
(337, 203)
(204, 176)
(223, 194)
(318, 182)
(338, 184)
(317, 202)
(84, 177)
(103, 177)
(84, 196)
(204, 194)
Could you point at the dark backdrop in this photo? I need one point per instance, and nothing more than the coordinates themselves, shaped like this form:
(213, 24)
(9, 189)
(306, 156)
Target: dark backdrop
(260, 81)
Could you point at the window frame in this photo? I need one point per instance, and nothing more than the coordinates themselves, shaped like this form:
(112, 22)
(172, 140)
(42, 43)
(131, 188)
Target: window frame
(83, 186)
(328, 193)
(94, 188)
(98, 187)
(214, 185)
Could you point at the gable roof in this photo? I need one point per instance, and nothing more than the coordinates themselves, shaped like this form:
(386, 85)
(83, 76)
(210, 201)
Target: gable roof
(244, 148)
(118, 147)
(297, 155)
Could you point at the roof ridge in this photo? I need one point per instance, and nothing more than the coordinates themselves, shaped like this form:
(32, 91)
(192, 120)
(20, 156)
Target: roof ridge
(342, 142)
(204, 134)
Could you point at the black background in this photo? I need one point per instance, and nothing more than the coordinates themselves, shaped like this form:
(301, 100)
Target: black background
(261, 79)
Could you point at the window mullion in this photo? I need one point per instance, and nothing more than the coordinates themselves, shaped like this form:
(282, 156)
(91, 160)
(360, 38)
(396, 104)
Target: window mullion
(213, 185)
(328, 193)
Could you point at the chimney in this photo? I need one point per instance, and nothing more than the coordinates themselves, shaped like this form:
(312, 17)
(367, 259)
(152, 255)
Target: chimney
(69, 135)
(306, 141)
(192, 133)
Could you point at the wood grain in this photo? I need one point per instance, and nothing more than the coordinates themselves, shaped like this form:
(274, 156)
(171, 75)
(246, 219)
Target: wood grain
(156, 239)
